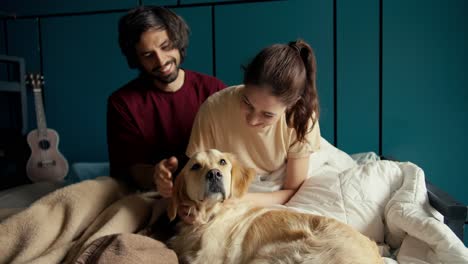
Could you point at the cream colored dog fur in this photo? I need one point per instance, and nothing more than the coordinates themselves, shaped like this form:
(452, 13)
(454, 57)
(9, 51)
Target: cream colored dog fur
(229, 231)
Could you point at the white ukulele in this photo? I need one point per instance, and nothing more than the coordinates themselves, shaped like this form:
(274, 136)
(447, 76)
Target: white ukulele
(46, 162)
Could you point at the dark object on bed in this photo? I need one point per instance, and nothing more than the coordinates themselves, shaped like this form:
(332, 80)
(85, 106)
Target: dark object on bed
(455, 213)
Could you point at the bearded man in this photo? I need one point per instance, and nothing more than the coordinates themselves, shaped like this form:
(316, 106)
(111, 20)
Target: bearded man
(150, 118)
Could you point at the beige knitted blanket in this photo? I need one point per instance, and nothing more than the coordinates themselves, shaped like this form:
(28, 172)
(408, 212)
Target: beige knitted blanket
(58, 227)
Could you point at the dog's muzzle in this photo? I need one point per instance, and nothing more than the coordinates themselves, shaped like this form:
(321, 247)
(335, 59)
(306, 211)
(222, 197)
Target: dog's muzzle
(214, 183)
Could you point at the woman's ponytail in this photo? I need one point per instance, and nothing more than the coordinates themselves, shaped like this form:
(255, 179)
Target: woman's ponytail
(307, 104)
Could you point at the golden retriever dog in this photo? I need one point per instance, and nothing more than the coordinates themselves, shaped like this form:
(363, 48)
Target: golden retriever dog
(228, 230)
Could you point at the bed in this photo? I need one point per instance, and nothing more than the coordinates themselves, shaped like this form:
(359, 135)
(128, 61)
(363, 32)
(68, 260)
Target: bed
(389, 201)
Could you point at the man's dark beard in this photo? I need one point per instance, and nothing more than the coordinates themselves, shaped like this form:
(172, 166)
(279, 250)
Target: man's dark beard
(162, 79)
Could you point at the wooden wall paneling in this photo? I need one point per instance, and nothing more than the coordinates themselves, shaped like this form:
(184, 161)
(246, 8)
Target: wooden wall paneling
(242, 30)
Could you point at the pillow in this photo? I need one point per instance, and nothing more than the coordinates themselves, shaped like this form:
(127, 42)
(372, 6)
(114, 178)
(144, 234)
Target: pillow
(81, 171)
(329, 156)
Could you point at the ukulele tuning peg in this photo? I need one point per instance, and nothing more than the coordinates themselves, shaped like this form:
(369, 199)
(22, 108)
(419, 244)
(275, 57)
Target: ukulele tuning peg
(29, 79)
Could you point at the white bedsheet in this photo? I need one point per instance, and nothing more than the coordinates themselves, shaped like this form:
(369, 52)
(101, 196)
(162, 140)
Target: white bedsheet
(385, 200)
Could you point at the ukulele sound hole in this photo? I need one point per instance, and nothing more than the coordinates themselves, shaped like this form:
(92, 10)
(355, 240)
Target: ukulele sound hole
(44, 144)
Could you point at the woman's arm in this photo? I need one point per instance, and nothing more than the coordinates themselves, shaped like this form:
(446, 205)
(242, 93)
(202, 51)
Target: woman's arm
(296, 172)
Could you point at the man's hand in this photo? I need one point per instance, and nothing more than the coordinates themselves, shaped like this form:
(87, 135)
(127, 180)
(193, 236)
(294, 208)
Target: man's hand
(162, 176)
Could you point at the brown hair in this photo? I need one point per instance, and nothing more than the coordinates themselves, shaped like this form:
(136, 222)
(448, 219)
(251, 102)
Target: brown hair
(290, 71)
(143, 18)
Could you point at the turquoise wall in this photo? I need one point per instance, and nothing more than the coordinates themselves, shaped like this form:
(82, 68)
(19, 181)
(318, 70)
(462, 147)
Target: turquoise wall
(425, 91)
(357, 42)
(414, 62)
(262, 24)
(425, 88)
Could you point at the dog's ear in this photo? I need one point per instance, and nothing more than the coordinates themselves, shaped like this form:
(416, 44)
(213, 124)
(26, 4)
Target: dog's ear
(179, 194)
(241, 177)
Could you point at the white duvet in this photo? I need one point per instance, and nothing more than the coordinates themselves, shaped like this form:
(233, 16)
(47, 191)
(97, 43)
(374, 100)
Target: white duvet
(385, 200)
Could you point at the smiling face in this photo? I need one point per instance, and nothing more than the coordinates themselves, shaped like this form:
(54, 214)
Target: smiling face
(259, 107)
(157, 57)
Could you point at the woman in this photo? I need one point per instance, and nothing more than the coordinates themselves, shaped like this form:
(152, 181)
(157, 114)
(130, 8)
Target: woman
(270, 120)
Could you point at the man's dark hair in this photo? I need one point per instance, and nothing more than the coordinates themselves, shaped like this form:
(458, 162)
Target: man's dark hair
(143, 18)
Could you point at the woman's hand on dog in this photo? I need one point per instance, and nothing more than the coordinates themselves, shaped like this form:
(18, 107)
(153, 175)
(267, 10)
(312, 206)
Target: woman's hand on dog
(162, 176)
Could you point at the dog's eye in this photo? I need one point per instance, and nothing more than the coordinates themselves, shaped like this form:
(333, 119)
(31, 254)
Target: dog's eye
(222, 162)
(196, 166)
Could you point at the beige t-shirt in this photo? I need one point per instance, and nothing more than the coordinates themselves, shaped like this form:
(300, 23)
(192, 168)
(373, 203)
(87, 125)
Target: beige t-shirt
(220, 124)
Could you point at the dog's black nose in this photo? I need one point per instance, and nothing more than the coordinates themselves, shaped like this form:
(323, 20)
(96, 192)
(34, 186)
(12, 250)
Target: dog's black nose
(214, 175)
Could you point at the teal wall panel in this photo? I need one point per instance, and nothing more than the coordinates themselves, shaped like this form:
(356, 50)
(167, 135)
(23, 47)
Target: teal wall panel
(4, 105)
(2, 36)
(358, 75)
(23, 41)
(82, 66)
(199, 56)
(91, 57)
(46, 7)
(203, 1)
(159, 2)
(425, 115)
(3, 73)
(242, 30)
